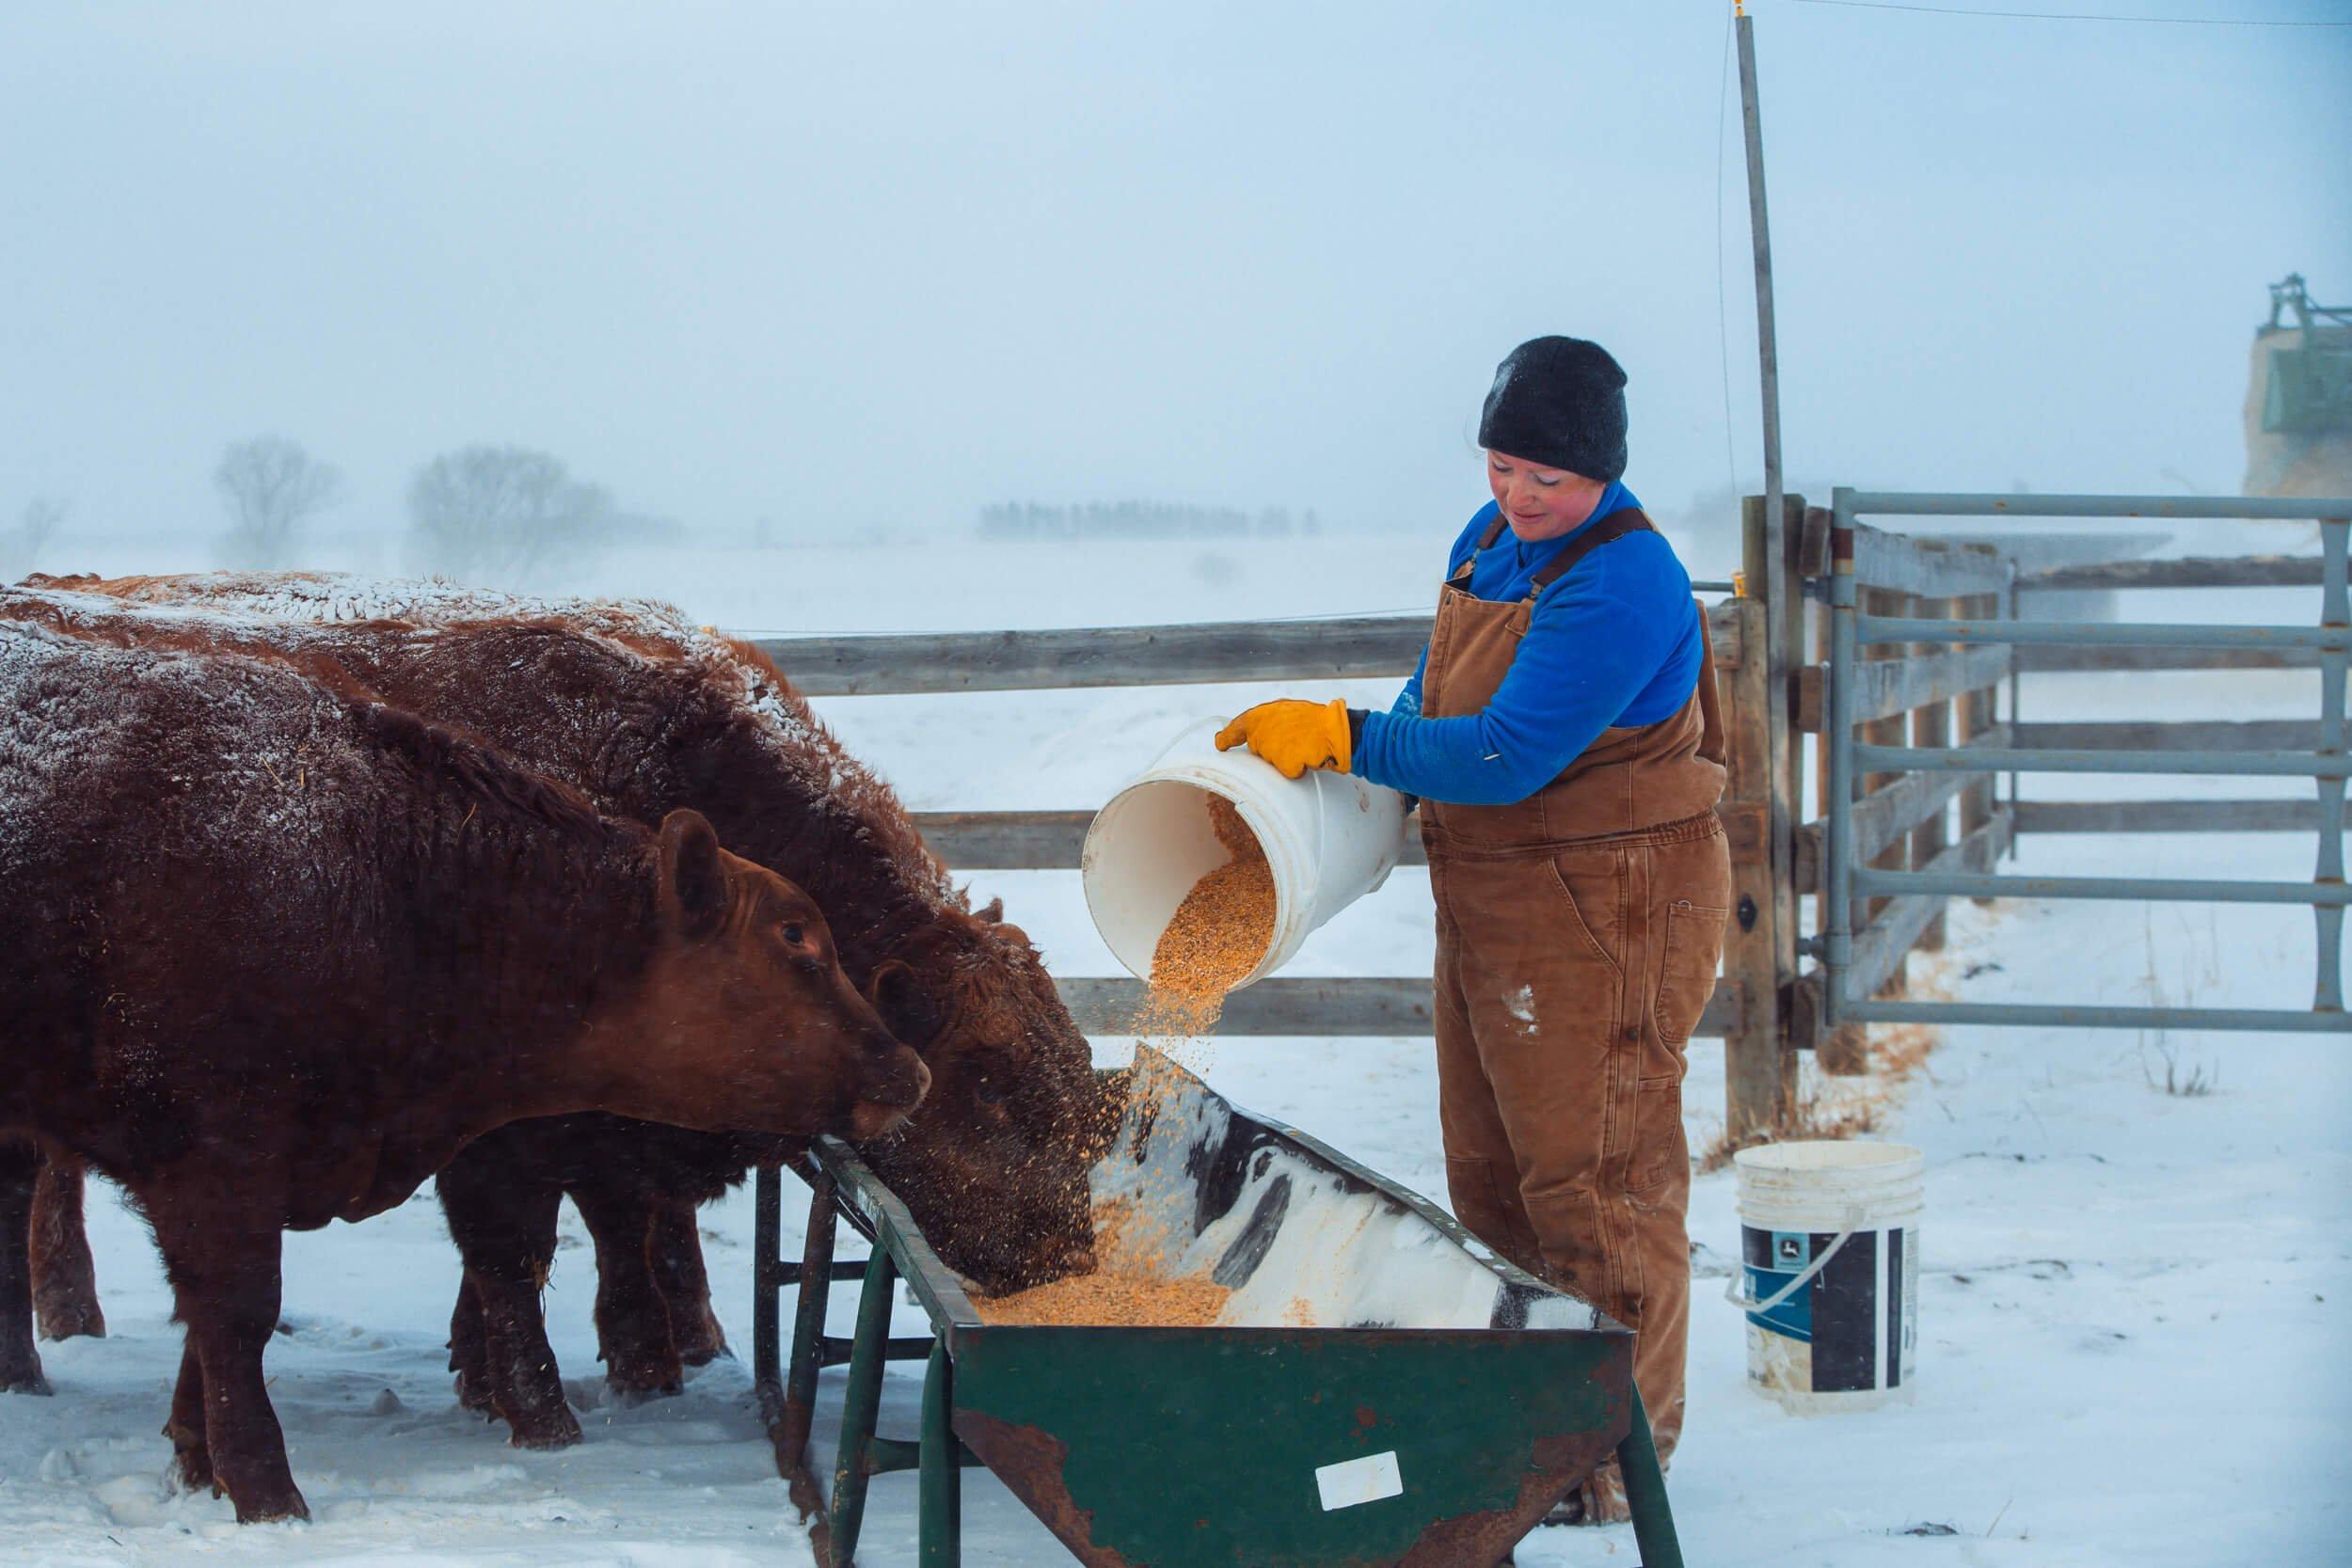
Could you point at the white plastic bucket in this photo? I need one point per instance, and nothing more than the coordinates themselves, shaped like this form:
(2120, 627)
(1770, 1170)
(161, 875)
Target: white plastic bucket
(1829, 1241)
(1329, 838)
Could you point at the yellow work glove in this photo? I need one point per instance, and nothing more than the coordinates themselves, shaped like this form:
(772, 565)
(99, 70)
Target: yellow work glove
(1292, 733)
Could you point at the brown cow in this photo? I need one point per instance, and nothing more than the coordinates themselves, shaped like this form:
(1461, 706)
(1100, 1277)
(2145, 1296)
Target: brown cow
(277, 951)
(646, 714)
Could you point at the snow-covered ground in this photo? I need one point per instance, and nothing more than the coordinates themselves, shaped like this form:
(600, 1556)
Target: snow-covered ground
(2135, 1343)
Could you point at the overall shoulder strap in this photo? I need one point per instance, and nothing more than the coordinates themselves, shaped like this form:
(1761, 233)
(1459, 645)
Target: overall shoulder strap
(1485, 542)
(1602, 531)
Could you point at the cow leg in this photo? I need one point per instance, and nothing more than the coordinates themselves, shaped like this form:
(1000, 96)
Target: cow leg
(186, 1428)
(224, 1266)
(674, 1248)
(632, 1324)
(20, 1363)
(470, 1346)
(65, 1282)
(502, 1214)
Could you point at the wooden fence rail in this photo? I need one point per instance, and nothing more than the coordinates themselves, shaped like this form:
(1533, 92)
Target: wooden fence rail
(1192, 653)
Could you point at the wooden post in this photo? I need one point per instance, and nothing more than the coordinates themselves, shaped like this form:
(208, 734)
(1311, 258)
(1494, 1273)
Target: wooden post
(1930, 725)
(1760, 947)
(1975, 714)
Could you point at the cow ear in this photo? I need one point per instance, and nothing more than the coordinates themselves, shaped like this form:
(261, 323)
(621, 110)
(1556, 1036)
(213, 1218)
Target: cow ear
(693, 881)
(906, 1004)
(992, 911)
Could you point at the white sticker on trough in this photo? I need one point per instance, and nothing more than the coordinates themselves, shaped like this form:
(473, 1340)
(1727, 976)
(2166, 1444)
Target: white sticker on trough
(1358, 1480)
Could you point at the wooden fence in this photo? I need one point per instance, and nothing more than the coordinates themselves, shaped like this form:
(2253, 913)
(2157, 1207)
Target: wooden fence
(1372, 646)
(1767, 1006)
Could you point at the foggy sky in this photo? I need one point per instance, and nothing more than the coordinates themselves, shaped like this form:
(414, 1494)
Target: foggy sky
(851, 265)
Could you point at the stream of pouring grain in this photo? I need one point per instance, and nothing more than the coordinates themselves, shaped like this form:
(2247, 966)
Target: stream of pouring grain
(1215, 938)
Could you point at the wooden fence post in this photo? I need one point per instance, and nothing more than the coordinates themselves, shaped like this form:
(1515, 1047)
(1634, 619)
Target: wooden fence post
(1759, 948)
(1930, 725)
(1976, 712)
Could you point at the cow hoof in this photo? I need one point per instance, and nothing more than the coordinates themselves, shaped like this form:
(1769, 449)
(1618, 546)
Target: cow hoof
(67, 1313)
(700, 1340)
(558, 1431)
(643, 1386)
(74, 1323)
(25, 1382)
(275, 1509)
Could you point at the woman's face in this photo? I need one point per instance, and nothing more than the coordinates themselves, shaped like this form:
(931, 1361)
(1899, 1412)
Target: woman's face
(1540, 503)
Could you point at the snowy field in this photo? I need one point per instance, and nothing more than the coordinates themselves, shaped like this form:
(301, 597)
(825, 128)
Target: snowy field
(2133, 1349)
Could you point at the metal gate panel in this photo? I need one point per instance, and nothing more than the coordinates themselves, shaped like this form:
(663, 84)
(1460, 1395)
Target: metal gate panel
(2330, 640)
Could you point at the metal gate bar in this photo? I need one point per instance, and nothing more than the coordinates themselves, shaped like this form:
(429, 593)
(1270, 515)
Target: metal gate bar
(2328, 766)
(2034, 759)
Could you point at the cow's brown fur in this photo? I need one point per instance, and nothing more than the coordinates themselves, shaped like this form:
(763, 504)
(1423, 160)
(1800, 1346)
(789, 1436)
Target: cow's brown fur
(646, 714)
(279, 951)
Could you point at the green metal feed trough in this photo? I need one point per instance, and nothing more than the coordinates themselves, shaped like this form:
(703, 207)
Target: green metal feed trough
(1379, 1389)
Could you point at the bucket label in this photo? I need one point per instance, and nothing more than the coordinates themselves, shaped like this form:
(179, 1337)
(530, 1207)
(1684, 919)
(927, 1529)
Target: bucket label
(1773, 1258)
(1352, 1481)
(1854, 1326)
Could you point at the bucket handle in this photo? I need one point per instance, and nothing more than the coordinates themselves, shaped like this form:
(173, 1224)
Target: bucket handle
(1740, 1298)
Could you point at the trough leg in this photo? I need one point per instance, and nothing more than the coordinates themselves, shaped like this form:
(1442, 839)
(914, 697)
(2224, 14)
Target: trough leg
(632, 1324)
(224, 1266)
(65, 1281)
(867, 1358)
(808, 1329)
(673, 1249)
(20, 1362)
(939, 1542)
(1645, 1494)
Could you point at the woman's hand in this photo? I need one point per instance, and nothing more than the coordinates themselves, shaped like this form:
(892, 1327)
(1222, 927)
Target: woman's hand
(1292, 733)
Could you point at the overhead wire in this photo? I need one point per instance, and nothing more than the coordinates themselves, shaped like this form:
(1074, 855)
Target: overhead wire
(2072, 16)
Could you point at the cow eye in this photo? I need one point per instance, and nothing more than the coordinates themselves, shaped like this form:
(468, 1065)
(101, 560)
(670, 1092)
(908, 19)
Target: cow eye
(793, 933)
(987, 1091)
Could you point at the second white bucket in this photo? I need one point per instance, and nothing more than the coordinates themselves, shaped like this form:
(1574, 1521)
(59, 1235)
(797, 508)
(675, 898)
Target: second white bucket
(1329, 838)
(1829, 1239)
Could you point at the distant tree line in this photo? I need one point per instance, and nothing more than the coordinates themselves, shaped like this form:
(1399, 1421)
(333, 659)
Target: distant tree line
(494, 515)
(1139, 519)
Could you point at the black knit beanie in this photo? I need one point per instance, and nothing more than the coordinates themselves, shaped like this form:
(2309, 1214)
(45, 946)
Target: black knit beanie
(1559, 402)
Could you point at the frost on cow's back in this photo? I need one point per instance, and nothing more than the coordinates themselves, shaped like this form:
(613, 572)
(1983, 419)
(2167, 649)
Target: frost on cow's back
(74, 709)
(274, 606)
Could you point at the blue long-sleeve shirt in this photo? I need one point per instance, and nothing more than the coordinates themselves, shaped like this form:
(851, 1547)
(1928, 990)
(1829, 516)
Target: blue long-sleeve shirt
(1614, 641)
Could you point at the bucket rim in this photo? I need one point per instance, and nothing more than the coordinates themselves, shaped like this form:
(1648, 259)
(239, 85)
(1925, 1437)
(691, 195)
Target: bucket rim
(1262, 824)
(1860, 1157)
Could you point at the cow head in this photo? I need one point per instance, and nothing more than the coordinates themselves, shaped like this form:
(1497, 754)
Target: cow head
(741, 1019)
(1013, 1119)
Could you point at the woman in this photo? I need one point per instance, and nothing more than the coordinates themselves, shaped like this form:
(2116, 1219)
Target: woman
(1562, 736)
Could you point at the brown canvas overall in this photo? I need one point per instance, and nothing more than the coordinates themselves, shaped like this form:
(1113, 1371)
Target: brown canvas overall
(1578, 935)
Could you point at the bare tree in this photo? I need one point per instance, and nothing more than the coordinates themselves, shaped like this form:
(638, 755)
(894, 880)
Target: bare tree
(499, 514)
(21, 547)
(271, 488)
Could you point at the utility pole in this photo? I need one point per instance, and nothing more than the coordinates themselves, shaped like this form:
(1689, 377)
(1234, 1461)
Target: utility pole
(1760, 228)
(1776, 578)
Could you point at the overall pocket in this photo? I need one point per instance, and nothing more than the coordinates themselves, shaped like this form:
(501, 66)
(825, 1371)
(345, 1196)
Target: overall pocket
(1694, 949)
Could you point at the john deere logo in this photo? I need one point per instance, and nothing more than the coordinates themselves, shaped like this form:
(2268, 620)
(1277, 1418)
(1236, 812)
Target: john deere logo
(1792, 1250)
